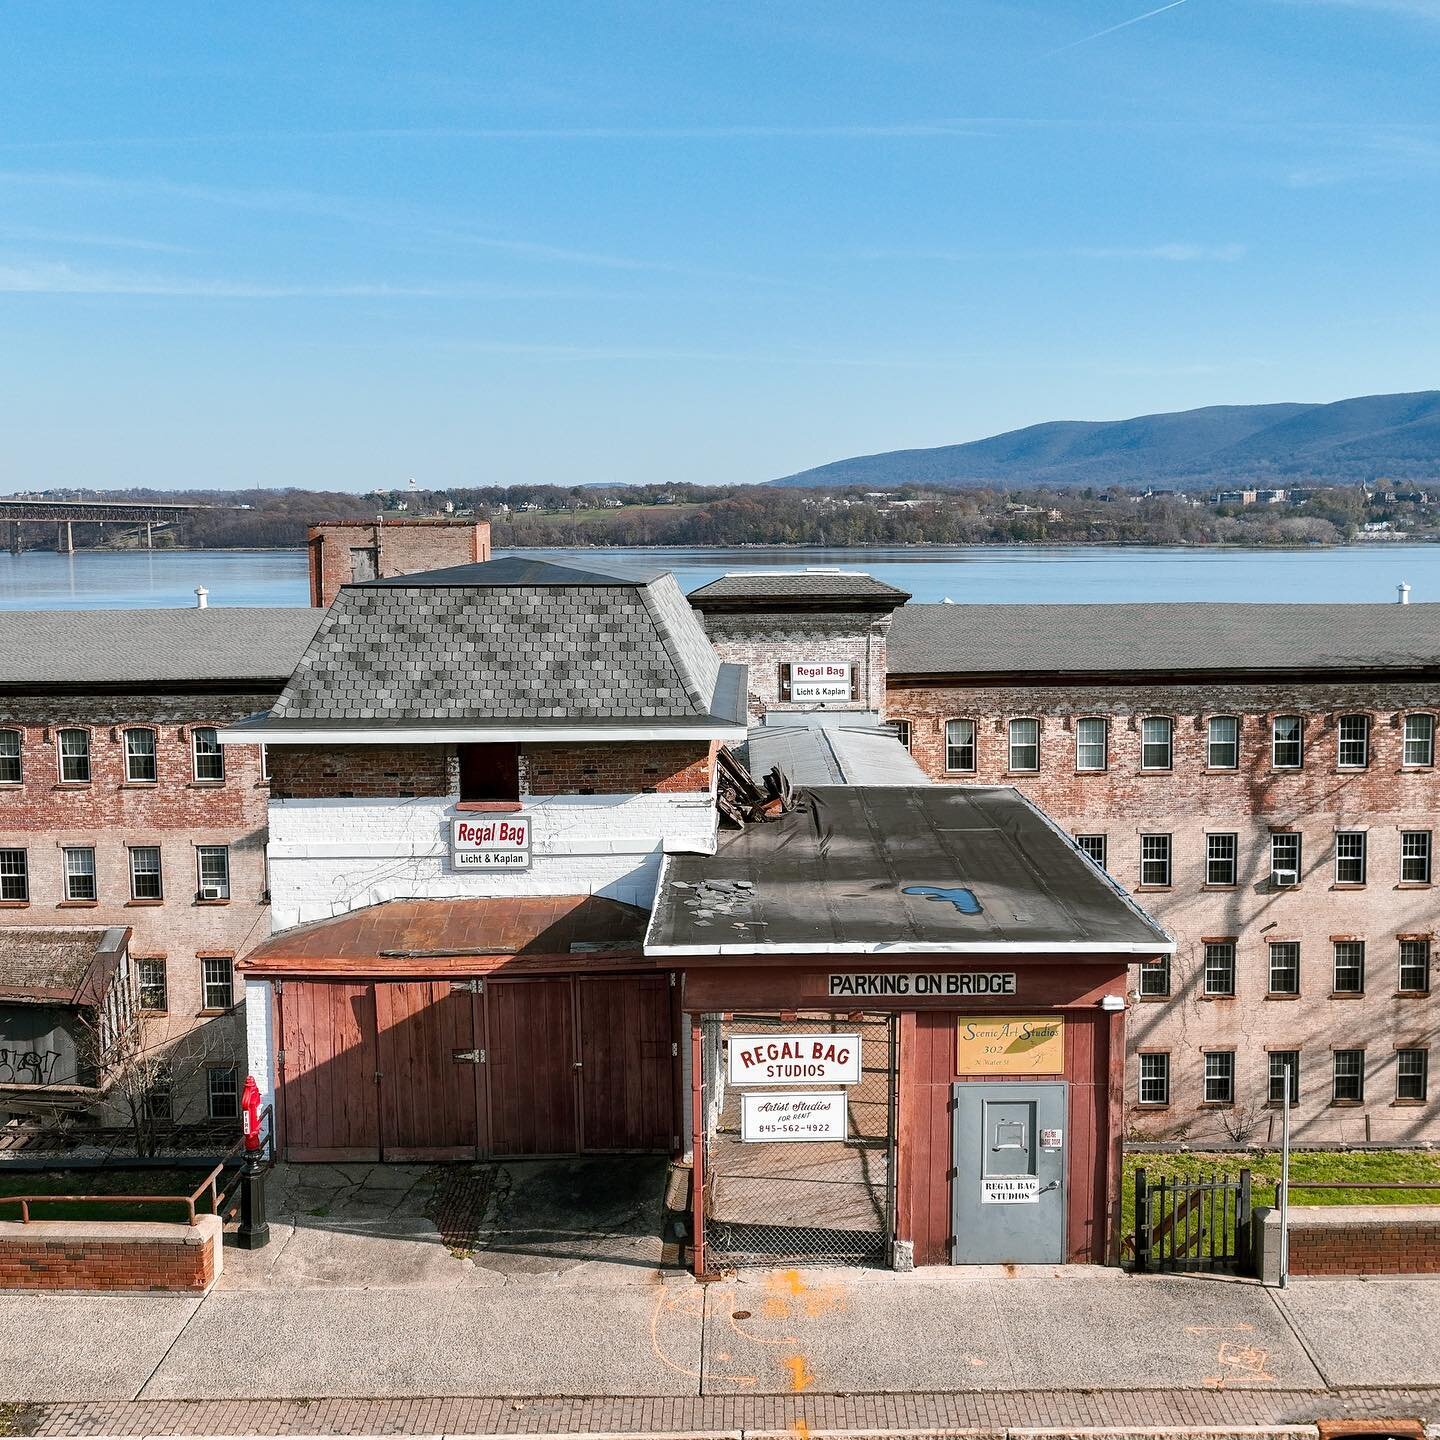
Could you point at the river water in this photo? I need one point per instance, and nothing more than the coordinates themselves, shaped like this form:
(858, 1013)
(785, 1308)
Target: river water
(1034, 574)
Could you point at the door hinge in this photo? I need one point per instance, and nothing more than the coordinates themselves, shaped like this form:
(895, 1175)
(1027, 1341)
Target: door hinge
(674, 1142)
(279, 987)
(468, 1057)
(672, 979)
(279, 1059)
(674, 1049)
(472, 987)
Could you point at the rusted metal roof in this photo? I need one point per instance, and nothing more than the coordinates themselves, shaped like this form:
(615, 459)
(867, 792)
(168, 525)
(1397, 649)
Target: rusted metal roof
(461, 937)
(59, 964)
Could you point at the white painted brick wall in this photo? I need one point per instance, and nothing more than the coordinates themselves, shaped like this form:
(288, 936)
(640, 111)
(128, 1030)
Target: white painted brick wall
(259, 1037)
(330, 856)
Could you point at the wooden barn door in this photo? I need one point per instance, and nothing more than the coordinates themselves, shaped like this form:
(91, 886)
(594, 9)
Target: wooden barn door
(429, 1067)
(532, 1067)
(328, 1108)
(627, 1079)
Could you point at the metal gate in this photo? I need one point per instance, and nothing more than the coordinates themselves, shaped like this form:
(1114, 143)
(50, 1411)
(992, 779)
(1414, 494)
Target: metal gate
(828, 1201)
(1193, 1223)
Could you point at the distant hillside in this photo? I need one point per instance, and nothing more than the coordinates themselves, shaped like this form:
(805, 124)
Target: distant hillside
(1395, 436)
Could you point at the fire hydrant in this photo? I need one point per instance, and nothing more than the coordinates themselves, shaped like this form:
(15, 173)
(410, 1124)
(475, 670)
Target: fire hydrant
(254, 1228)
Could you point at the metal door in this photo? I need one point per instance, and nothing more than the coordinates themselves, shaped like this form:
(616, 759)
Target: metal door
(428, 1053)
(1007, 1189)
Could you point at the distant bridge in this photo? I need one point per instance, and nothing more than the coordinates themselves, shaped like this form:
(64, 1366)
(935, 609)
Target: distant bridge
(64, 514)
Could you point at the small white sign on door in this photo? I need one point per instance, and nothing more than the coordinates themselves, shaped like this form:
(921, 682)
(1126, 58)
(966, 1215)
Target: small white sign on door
(770, 1118)
(1051, 1139)
(1010, 1190)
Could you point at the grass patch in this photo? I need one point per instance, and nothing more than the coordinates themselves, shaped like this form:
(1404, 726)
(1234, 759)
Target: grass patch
(1347, 1166)
(179, 1181)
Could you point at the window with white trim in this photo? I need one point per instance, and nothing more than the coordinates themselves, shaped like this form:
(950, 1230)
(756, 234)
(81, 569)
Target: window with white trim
(1155, 976)
(1412, 1074)
(217, 982)
(901, 728)
(1415, 967)
(1025, 744)
(1157, 734)
(1287, 742)
(145, 873)
(212, 865)
(1419, 740)
(1155, 1078)
(153, 984)
(1284, 967)
(1353, 746)
(1348, 1086)
(1415, 856)
(209, 757)
(1219, 967)
(1095, 846)
(1349, 857)
(959, 746)
(12, 770)
(140, 762)
(1349, 967)
(1222, 742)
(1279, 1059)
(14, 875)
(222, 1092)
(80, 872)
(1219, 1077)
(1154, 859)
(1284, 857)
(75, 757)
(1091, 743)
(1221, 864)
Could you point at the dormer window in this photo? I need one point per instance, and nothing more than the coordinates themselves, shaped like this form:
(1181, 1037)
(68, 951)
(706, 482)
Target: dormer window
(490, 772)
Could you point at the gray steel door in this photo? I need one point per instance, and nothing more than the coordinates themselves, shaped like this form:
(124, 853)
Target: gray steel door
(1007, 1192)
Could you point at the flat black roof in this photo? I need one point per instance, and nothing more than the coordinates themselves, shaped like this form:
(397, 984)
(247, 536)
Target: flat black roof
(940, 869)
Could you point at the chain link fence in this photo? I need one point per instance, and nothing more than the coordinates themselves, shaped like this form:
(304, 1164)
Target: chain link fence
(827, 1202)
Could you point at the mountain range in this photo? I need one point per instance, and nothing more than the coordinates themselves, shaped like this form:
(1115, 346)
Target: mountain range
(1367, 438)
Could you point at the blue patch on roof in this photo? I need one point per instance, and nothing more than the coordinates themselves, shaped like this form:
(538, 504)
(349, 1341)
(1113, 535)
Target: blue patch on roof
(962, 899)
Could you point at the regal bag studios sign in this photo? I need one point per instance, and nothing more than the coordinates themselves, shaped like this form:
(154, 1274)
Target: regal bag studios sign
(490, 842)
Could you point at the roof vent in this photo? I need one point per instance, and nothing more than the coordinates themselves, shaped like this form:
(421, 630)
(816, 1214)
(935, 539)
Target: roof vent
(202, 597)
(1404, 591)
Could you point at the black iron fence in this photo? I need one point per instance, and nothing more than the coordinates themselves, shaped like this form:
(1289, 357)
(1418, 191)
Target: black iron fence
(1190, 1223)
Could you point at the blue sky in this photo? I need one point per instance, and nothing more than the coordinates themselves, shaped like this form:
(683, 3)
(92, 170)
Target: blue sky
(340, 245)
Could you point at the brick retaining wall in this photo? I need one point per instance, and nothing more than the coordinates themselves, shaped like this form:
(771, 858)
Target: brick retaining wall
(110, 1255)
(1352, 1240)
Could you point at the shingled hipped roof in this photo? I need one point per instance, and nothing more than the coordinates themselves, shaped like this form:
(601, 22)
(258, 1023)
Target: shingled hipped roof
(509, 641)
(798, 590)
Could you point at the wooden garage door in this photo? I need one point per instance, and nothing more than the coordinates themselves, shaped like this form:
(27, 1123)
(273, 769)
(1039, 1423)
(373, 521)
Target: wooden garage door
(627, 1078)
(328, 1107)
(429, 1101)
(530, 1063)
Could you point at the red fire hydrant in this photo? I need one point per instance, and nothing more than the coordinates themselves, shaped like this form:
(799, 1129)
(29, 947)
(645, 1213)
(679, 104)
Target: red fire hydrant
(254, 1229)
(250, 1113)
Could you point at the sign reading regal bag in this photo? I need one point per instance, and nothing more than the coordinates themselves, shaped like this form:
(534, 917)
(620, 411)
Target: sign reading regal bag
(1010, 1045)
(817, 681)
(490, 842)
(784, 1059)
(772, 1118)
(1009, 1190)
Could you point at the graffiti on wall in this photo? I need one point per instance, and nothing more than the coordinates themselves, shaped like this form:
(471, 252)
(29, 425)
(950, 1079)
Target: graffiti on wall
(28, 1067)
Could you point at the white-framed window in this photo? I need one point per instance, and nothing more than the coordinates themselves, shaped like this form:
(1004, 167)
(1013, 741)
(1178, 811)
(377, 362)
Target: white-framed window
(1284, 857)
(1349, 857)
(959, 746)
(80, 872)
(12, 770)
(1287, 742)
(153, 984)
(145, 880)
(1415, 856)
(1154, 859)
(1415, 967)
(1222, 742)
(217, 982)
(1221, 863)
(209, 757)
(222, 1092)
(1349, 1077)
(1155, 976)
(1025, 744)
(75, 757)
(14, 874)
(1157, 733)
(1354, 743)
(1095, 846)
(265, 753)
(1412, 1074)
(1219, 1077)
(1155, 1077)
(901, 728)
(1279, 1059)
(1219, 967)
(212, 865)
(1419, 740)
(1284, 967)
(1091, 743)
(140, 761)
(1349, 967)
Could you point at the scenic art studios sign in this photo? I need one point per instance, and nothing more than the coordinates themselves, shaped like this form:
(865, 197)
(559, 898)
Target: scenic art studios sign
(490, 842)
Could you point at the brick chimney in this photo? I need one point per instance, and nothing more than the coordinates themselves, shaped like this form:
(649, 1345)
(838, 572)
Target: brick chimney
(342, 551)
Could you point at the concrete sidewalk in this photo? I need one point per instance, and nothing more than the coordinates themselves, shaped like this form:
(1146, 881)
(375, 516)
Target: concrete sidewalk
(777, 1333)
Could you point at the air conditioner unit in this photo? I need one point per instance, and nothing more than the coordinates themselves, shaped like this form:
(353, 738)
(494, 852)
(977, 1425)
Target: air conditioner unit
(1285, 877)
(211, 892)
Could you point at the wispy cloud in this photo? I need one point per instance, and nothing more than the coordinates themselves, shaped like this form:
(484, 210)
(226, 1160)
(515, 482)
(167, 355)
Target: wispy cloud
(10, 231)
(1111, 29)
(1176, 252)
(1180, 253)
(1415, 9)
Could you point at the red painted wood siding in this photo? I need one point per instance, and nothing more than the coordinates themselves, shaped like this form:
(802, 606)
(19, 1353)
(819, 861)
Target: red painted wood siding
(627, 1087)
(328, 1090)
(428, 1105)
(531, 1062)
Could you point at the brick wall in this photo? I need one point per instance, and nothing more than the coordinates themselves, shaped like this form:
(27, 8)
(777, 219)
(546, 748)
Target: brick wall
(765, 641)
(1190, 801)
(310, 772)
(1354, 1240)
(122, 1256)
(664, 767)
(401, 547)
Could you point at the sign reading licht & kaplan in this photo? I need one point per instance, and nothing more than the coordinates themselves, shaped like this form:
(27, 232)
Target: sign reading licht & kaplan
(490, 842)
(818, 681)
(797, 1116)
(785, 1059)
(885, 985)
(1010, 1045)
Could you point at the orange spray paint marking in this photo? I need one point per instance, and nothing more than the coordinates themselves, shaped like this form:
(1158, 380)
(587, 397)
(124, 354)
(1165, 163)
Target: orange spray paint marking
(800, 1429)
(800, 1376)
